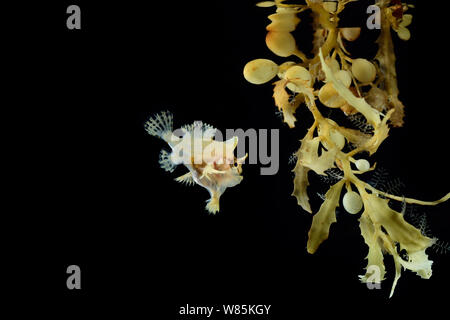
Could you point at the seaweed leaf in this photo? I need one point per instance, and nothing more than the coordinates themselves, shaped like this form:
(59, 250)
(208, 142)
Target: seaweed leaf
(323, 219)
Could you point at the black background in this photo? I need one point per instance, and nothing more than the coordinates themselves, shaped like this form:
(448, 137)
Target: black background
(93, 195)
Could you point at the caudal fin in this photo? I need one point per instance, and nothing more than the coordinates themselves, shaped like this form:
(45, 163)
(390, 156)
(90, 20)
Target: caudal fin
(160, 125)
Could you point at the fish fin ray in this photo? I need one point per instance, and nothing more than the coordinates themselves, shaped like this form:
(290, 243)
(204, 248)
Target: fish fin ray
(213, 204)
(165, 162)
(160, 125)
(186, 179)
(208, 131)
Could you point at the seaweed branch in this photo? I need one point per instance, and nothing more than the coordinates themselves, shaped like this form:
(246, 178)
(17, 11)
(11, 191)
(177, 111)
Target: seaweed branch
(367, 93)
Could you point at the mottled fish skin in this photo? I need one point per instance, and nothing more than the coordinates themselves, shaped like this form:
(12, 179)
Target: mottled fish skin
(214, 166)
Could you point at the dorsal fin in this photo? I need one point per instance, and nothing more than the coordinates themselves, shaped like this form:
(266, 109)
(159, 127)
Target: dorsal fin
(207, 131)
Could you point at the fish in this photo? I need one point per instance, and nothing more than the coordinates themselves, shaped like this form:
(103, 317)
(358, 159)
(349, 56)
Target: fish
(210, 163)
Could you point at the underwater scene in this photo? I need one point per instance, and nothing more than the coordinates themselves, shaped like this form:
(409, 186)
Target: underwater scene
(241, 159)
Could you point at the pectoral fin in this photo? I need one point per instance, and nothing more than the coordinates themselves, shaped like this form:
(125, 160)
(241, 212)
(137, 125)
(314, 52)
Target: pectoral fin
(166, 162)
(186, 179)
(208, 169)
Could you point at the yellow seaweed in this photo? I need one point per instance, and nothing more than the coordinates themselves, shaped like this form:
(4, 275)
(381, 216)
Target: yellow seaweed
(383, 229)
(323, 219)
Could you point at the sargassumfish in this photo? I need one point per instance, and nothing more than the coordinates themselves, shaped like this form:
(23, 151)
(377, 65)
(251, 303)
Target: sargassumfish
(211, 163)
